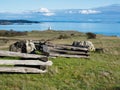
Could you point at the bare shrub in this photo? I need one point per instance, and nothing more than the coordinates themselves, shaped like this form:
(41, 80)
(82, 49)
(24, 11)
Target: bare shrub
(64, 36)
(91, 35)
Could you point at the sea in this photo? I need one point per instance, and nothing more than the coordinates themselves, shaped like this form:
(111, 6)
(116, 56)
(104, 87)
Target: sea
(110, 29)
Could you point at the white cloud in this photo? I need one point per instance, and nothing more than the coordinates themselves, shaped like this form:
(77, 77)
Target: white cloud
(49, 14)
(86, 11)
(44, 10)
(89, 12)
(15, 12)
(70, 12)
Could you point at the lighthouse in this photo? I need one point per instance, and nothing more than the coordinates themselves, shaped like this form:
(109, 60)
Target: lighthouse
(49, 28)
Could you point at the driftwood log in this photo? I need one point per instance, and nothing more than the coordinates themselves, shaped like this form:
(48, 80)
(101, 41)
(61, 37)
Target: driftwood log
(20, 70)
(24, 66)
(62, 50)
(22, 55)
(67, 55)
(38, 64)
(71, 52)
(69, 47)
(68, 51)
(25, 62)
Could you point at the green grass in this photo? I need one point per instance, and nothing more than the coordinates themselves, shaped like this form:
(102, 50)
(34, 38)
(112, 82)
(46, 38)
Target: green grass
(100, 72)
(70, 74)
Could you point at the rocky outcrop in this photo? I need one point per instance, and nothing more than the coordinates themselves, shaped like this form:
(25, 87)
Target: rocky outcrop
(23, 47)
(84, 44)
(18, 46)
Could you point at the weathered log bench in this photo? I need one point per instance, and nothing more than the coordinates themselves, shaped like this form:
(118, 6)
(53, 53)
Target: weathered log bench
(24, 66)
(18, 54)
(39, 63)
(68, 51)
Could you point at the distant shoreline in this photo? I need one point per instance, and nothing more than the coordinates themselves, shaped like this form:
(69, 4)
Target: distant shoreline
(11, 22)
(26, 25)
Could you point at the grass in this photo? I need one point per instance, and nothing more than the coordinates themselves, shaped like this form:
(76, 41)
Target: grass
(69, 74)
(100, 72)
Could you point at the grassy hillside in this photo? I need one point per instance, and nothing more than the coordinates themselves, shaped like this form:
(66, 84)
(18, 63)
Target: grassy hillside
(100, 72)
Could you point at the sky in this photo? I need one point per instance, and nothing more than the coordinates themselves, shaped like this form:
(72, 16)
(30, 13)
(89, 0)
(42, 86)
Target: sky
(23, 5)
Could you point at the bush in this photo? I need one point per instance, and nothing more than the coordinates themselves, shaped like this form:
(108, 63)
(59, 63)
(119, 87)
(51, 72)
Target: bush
(64, 36)
(12, 33)
(91, 35)
(72, 34)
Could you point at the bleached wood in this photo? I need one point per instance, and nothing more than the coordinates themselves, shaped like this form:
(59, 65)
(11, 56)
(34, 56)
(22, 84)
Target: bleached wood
(18, 54)
(69, 52)
(67, 55)
(21, 70)
(69, 48)
(25, 62)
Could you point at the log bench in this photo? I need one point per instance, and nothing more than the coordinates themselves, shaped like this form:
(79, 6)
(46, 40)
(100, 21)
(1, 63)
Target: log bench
(68, 51)
(39, 63)
(24, 66)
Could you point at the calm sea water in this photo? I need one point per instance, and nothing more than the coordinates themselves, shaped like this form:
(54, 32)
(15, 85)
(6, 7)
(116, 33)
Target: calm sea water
(99, 28)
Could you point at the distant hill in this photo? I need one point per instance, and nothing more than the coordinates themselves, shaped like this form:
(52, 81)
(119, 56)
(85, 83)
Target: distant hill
(7, 22)
(110, 8)
(108, 14)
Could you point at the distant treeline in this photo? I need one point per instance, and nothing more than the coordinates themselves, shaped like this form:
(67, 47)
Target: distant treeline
(7, 22)
(12, 33)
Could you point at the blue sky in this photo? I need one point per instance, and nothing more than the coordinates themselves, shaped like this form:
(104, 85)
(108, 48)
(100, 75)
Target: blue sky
(22, 5)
